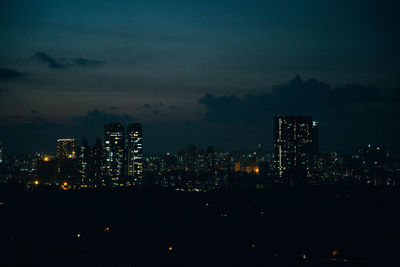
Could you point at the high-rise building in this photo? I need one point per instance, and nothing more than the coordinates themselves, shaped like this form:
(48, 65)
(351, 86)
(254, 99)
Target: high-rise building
(1, 152)
(65, 148)
(66, 161)
(114, 143)
(134, 148)
(96, 163)
(46, 171)
(294, 145)
(83, 154)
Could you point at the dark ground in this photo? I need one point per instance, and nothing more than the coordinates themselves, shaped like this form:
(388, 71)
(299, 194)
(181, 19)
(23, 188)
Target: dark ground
(274, 227)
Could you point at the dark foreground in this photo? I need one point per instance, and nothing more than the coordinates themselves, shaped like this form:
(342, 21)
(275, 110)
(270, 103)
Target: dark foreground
(330, 226)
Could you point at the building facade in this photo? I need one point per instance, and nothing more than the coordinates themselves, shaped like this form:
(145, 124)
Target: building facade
(134, 146)
(295, 143)
(114, 146)
(66, 161)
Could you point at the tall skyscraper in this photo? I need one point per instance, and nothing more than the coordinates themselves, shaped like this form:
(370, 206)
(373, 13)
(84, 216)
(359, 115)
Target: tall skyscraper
(1, 152)
(66, 161)
(134, 148)
(294, 145)
(83, 155)
(65, 148)
(114, 143)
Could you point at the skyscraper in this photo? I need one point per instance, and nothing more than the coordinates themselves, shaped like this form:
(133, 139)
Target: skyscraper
(134, 148)
(66, 161)
(1, 152)
(114, 142)
(83, 154)
(294, 145)
(65, 148)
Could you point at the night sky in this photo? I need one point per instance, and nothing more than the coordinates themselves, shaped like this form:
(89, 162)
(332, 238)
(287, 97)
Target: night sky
(199, 72)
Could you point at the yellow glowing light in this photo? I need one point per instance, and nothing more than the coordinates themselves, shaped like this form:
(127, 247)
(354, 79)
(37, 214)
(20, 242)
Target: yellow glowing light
(334, 253)
(170, 248)
(65, 183)
(253, 245)
(107, 229)
(36, 182)
(78, 235)
(46, 159)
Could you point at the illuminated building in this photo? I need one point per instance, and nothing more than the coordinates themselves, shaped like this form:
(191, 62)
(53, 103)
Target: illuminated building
(315, 137)
(114, 152)
(66, 161)
(96, 172)
(65, 148)
(1, 152)
(134, 147)
(191, 158)
(83, 154)
(294, 145)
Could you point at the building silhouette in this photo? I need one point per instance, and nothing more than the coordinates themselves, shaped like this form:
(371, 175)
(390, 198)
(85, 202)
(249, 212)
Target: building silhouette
(114, 146)
(134, 148)
(66, 161)
(1, 152)
(295, 143)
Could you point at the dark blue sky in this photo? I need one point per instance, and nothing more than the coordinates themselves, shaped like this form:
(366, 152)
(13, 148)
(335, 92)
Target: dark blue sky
(66, 67)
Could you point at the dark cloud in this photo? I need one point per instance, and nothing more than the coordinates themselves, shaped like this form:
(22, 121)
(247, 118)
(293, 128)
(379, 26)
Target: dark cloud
(310, 97)
(96, 119)
(155, 112)
(113, 108)
(51, 62)
(87, 62)
(34, 111)
(173, 107)
(61, 63)
(10, 74)
(154, 105)
(5, 90)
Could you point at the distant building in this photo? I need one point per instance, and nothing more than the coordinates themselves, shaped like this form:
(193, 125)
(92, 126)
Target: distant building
(65, 148)
(114, 143)
(66, 161)
(295, 142)
(46, 171)
(134, 146)
(315, 137)
(84, 155)
(1, 152)
(372, 157)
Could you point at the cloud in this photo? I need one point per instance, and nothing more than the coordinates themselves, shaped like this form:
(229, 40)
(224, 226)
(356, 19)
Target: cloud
(172, 107)
(96, 119)
(34, 111)
(10, 74)
(87, 62)
(51, 62)
(310, 97)
(62, 63)
(113, 108)
(4, 90)
(154, 105)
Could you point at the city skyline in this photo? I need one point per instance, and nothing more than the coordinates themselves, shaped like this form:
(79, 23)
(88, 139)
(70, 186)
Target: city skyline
(193, 72)
(199, 133)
